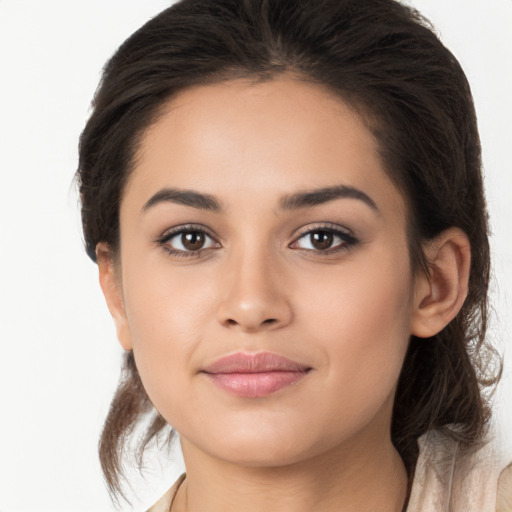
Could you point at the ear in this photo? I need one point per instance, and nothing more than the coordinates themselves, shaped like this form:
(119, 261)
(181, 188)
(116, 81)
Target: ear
(439, 295)
(110, 282)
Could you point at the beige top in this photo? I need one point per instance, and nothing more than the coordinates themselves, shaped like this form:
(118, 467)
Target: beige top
(444, 481)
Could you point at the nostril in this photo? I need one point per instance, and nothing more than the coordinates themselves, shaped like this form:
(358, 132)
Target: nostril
(268, 321)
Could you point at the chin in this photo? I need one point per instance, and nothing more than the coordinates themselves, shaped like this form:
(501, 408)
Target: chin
(260, 450)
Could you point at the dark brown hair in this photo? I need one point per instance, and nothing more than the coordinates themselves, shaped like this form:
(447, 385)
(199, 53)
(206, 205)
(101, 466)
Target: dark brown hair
(382, 58)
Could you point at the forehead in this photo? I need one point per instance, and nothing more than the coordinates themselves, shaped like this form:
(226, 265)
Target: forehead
(272, 137)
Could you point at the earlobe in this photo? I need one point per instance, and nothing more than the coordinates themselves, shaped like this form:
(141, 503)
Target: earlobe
(440, 294)
(110, 283)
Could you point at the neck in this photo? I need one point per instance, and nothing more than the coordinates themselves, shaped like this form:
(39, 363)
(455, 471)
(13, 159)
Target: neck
(367, 476)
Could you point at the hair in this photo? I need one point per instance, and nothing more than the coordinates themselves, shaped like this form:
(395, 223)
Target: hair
(382, 58)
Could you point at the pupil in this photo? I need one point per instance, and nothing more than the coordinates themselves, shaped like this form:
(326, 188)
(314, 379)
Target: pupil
(321, 239)
(192, 241)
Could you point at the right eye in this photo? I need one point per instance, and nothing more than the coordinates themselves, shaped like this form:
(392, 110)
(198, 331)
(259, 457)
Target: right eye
(187, 241)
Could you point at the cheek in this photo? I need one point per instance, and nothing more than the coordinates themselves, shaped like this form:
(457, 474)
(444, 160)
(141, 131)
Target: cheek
(164, 301)
(167, 313)
(361, 322)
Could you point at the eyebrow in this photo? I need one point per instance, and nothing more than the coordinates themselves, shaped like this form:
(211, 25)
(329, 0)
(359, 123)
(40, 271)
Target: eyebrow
(295, 201)
(324, 195)
(184, 197)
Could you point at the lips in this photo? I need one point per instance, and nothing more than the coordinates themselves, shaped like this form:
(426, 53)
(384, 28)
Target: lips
(255, 375)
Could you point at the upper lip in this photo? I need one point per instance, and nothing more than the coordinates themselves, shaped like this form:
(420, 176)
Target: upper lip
(254, 363)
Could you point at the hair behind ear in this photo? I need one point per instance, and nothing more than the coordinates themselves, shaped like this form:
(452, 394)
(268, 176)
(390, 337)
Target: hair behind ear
(129, 404)
(450, 371)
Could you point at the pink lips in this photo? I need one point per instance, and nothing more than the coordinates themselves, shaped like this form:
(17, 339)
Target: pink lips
(255, 375)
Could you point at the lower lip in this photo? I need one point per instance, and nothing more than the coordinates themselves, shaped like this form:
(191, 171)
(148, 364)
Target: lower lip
(255, 385)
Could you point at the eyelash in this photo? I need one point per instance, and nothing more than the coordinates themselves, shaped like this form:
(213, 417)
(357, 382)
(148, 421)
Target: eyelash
(189, 228)
(348, 240)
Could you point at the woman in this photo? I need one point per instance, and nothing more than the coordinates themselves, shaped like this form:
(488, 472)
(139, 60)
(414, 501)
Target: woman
(285, 202)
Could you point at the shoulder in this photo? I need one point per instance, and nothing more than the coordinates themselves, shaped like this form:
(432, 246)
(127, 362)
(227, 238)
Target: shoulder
(165, 502)
(504, 498)
(448, 477)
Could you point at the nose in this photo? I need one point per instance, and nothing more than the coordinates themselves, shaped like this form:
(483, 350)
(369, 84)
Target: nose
(254, 295)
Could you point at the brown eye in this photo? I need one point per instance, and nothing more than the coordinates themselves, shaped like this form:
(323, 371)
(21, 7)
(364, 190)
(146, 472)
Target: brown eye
(187, 242)
(325, 240)
(321, 240)
(193, 241)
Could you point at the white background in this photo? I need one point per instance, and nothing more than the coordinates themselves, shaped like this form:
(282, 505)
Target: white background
(59, 358)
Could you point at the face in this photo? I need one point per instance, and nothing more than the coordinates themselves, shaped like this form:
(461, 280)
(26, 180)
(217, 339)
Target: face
(259, 223)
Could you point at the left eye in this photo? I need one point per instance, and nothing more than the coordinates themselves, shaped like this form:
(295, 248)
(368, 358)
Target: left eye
(323, 240)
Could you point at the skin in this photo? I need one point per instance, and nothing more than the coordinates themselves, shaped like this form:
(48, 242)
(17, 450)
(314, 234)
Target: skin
(260, 284)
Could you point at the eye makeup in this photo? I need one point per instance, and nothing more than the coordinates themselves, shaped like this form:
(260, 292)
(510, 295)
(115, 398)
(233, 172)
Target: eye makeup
(193, 240)
(325, 238)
